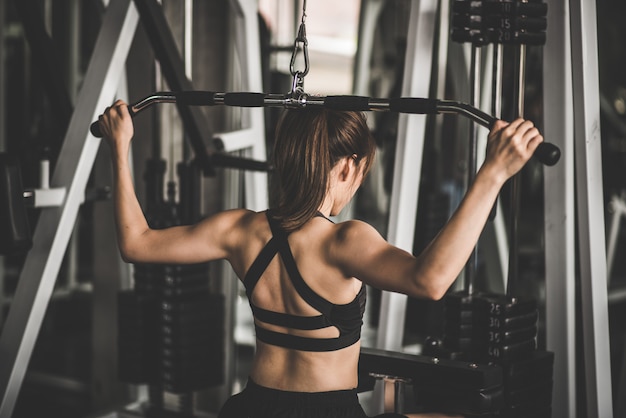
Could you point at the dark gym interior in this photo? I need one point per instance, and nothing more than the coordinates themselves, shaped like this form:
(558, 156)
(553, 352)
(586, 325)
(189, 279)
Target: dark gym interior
(95, 329)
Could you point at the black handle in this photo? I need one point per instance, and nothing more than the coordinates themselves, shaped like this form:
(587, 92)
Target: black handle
(95, 126)
(95, 129)
(547, 153)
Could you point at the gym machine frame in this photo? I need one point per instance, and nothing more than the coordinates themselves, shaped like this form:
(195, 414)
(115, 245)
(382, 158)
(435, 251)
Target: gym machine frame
(55, 225)
(572, 116)
(75, 163)
(563, 59)
(593, 310)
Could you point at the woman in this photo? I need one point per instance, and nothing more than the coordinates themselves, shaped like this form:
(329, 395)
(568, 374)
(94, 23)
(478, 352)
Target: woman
(305, 275)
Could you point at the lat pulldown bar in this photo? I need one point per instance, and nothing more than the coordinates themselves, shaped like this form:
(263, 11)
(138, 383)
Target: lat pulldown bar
(547, 153)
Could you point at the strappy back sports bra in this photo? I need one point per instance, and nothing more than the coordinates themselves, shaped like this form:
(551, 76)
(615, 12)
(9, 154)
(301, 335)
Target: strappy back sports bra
(347, 318)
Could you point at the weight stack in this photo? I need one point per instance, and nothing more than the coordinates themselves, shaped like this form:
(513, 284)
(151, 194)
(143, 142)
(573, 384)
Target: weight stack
(507, 330)
(189, 326)
(460, 340)
(510, 22)
(500, 330)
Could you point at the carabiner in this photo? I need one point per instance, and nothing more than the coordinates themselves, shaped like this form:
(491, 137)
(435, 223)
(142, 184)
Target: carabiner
(300, 39)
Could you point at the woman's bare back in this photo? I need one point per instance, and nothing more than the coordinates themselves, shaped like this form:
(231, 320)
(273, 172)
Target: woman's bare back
(288, 369)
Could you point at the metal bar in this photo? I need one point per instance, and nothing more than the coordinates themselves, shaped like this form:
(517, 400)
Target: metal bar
(245, 62)
(408, 162)
(497, 227)
(407, 170)
(256, 183)
(618, 208)
(55, 225)
(472, 158)
(3, 102)
(590, 210)
(3, 139)
(196, 123)
(546, 152)
(513, 271)
(368, 17)
(559, 211)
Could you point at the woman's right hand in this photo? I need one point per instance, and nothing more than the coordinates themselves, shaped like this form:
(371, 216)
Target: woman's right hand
(116, 125)
(510, 146)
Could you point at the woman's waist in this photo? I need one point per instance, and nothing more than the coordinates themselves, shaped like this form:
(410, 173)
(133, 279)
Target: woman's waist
(301, 371)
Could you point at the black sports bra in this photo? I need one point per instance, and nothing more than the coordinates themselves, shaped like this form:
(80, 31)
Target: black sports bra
(347, 318)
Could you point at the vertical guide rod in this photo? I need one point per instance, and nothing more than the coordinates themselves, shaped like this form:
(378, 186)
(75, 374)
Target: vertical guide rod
(513, 273)
(408, 162)
(407, 167)
(559, 210)
(496, 92)
(472, 157)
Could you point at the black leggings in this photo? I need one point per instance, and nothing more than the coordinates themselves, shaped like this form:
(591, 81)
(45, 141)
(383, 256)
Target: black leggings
(256, 401)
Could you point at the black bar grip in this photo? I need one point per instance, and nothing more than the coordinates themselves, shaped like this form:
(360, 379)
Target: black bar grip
(220, 159)
(415, 105)
(95, 129)
(548, 153)
(353, 103)
(244, 99)
(95, 126)
(195, 98)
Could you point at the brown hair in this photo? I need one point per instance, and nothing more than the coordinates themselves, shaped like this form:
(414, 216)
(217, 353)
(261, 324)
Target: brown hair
(309, 142)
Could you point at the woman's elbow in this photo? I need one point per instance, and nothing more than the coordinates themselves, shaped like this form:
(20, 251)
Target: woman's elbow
(437, 293)
(126, 256)
(428, 289)
(129, 253)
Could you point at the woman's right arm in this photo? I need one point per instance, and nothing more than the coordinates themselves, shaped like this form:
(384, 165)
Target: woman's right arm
(364, 254)
(213, 238)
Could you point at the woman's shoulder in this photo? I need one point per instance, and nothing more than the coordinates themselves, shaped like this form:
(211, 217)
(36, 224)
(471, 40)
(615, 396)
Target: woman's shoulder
(241, 218)
(236, 227)
(354, 230)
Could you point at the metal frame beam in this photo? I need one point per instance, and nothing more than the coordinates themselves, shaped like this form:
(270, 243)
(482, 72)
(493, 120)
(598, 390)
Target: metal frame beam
(196, 124)
(408, 162)
(247, 138)
(55, 225)
(252, 119)
(407, 171)
(590, 208)
(560, 211)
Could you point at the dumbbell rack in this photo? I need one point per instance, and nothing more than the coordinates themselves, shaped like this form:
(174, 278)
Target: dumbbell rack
(498, 328)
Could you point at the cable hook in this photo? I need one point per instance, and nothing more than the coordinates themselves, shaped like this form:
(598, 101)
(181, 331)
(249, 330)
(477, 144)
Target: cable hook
(300, 42)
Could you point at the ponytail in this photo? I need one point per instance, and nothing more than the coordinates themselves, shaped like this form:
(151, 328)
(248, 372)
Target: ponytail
(309, 142)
